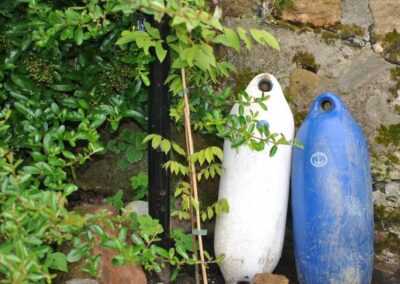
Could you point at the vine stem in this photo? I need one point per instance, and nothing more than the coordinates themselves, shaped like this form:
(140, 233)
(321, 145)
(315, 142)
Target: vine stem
(192, 168)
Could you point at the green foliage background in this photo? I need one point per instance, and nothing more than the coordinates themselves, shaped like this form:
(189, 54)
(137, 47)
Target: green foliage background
(69, 69)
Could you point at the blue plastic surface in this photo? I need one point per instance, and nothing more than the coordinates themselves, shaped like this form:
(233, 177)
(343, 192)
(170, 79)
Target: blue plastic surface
(332, 198)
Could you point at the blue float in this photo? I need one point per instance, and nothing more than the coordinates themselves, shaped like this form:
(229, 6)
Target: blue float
(332, 197)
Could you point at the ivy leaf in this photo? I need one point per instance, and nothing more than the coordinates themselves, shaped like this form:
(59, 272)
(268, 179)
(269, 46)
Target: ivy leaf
(264, 37)
(160, 51)
(133, 155)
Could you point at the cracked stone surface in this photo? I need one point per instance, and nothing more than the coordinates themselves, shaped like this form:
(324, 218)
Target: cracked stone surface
(357, 12)
(386, 15)
(359, 76)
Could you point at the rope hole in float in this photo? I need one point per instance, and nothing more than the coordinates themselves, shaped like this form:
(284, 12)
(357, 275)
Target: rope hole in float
(326, 105)
(265, 85)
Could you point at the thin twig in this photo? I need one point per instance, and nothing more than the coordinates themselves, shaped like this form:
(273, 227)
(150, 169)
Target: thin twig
(192, 169)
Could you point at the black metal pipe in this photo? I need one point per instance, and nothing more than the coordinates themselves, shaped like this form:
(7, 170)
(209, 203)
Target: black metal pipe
(159, 123)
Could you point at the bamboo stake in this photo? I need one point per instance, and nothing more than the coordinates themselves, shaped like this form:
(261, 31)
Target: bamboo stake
(192, 221)
(192, 171)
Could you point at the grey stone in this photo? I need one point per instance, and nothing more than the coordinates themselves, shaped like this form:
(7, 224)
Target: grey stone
(380, 185)
(383, 169)
(395, 230)
(388, 257)
(379, 112)
(82, 281)
(392, 191)
(379, 198)
(139, 207)
(358, 13)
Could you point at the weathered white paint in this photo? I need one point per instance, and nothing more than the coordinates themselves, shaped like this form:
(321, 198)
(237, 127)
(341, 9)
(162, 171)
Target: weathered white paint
(257, 187)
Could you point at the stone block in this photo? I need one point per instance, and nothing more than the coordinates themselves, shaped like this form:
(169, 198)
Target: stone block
(319, 13)
(386, 15)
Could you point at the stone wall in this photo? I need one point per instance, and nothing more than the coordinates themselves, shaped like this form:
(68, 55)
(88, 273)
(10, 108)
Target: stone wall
(351, 48)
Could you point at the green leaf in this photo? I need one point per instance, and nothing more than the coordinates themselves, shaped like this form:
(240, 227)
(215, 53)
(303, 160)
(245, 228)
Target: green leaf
(178, 149)
(75, 254)
(149, 137)
(57, 261)
(233, 39)
(264, 37)
(24, 83)
(108, 42)
(145, 79)
(273, 150)
(140, 180)
(217, 151)
(27, 112)
(133, 155)
(182, 252)
(153, 32)
(229, 39)
(78, 35)
(165, 146)
(298, 144)
(63, 87)
(243, 36)
(116, 200)
(137, 239)
(98, 120)
(160, 51)
(156, 141)
(238, 141)
(224, 204)
(83, 104)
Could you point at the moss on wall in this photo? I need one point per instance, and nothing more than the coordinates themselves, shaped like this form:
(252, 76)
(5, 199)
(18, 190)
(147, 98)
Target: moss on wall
(389, 135)
(242, 78)
(385, 219)
(306, 60)
(395, 76)
(282, 5)
(391, 46)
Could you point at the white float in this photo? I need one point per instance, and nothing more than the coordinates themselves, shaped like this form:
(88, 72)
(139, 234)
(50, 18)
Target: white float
(256, 186)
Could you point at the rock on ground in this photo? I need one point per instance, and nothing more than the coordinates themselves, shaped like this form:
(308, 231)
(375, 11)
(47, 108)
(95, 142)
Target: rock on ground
(268, 278)
(108, 273)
